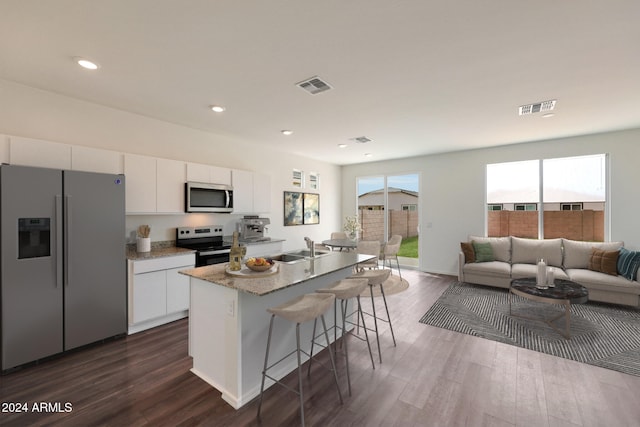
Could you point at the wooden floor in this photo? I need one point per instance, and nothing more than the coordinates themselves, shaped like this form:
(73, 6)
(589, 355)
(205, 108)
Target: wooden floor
(433, 377)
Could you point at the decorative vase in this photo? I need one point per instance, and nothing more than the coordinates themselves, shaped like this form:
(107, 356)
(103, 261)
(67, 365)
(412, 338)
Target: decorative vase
(143, 244)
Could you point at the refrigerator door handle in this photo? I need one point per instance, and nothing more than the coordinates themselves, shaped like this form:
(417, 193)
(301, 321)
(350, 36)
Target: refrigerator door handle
(58, 241)
(67, 239)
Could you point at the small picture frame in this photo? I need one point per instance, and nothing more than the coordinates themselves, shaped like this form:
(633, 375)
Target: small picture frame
(297, 178)
(314, 181)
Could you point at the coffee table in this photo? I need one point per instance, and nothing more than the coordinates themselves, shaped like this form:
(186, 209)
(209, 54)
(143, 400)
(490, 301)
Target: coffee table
(564, 292)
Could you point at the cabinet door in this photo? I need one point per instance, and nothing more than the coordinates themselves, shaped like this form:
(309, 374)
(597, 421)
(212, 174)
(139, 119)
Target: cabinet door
(177, 290)
(197, 172)
(140, 172)
(34, 152)
(242, 191)
(170, 179)
(261, 193)
(149, 296)
(220, 175)
(96, 160)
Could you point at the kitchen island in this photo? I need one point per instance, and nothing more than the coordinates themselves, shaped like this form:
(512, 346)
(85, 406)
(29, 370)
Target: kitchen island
(229, 322)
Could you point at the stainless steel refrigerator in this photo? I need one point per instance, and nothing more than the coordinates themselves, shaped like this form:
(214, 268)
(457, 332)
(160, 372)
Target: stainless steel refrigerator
(63, 262)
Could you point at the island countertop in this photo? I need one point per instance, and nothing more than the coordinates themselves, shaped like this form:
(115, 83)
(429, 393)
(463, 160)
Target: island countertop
(288, 274)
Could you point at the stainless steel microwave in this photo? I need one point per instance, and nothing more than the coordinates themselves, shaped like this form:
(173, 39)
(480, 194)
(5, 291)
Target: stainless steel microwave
(203, 197)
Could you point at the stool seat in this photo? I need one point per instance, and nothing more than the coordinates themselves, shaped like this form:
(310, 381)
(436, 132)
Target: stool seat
(346, 288)
(375, 277)
(303, 308)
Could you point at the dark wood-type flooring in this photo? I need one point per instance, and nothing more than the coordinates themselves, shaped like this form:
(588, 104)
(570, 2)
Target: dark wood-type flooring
(434, 377)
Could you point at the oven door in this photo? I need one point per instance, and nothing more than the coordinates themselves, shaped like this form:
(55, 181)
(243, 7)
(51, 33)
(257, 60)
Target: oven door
(212, 257)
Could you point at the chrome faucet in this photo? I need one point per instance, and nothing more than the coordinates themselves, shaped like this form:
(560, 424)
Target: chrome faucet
(312, 247)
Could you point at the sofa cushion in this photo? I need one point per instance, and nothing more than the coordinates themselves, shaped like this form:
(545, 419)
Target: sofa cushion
(601, 281)
(467, 250)
(604, 261)
(483, 252)
(578, 254)
(628, 263)
(528, 251)
(501, 246)
(520, 271)
(489, 269)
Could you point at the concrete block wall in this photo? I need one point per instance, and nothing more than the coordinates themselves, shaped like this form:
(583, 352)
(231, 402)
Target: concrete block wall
(585, 225)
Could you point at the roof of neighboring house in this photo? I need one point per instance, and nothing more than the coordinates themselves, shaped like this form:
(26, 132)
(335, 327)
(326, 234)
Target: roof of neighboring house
(391, 190)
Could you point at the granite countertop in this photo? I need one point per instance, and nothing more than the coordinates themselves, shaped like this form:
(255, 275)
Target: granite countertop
(287, 275)
(158, 250)
(229, 240)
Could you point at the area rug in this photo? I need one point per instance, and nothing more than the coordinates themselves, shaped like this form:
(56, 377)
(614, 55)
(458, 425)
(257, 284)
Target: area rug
(603, 335)
(393, 285)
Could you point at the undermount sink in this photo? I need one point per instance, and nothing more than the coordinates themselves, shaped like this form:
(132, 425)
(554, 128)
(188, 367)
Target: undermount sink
(296, 256)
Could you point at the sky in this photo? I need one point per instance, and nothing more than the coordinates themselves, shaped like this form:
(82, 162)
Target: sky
(406, 182)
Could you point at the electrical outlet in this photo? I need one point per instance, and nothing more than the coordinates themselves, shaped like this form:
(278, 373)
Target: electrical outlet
(231, 308)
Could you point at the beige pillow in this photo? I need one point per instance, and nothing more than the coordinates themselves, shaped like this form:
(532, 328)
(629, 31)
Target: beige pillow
(604, 261)
(578, 254)
(528, 251)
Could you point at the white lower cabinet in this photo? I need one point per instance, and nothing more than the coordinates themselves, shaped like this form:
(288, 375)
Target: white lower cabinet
(158, 293)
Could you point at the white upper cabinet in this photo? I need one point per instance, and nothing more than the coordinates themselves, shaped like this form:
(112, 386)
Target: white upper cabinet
(242, 191)
(4, 149)
(34, 152)
(96, 160)
(170, 179)
(154, 185)
(140, 172)
(251, 192)
(198, 172)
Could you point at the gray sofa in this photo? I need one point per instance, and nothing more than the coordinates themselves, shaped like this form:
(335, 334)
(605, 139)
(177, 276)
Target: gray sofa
(515, 257)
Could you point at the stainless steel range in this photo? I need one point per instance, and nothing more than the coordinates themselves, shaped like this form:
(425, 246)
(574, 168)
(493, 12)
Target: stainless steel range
(207, 241)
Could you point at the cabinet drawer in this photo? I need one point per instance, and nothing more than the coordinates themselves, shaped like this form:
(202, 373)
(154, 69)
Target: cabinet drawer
(164, 263)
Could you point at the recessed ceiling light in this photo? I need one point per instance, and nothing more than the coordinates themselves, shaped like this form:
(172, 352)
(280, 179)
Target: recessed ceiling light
(368, 155)
(548, 115)
(342, 145)
(85, 63)
(286, 132)
(217, 108)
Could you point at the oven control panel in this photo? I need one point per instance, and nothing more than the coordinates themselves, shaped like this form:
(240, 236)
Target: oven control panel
(197, 232)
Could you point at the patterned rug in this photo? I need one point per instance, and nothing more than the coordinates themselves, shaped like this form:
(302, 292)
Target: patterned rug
(603, 335)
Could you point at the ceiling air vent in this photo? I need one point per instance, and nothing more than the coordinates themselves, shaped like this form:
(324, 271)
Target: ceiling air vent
(536, 108)
(361, 139)
(314, 85)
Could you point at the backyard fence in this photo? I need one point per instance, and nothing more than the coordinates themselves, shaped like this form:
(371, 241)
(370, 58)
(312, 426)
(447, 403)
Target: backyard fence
(404, 223)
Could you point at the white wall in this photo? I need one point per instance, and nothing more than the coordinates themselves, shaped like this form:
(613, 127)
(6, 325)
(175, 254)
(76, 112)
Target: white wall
(34, 113)
(452, 189)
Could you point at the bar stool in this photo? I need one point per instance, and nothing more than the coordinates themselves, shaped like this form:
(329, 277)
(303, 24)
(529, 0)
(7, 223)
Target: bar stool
(299, 310)
(377, 278)
(344, 290)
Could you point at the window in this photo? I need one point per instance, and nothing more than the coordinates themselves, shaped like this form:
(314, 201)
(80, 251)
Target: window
(550, 198)
(571, 207)
(411, 208)
(525, 207)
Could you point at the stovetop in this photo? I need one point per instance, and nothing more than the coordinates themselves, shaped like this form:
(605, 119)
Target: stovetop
(203, 238)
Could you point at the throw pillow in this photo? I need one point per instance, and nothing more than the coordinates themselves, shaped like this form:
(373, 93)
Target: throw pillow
(483, 252)
(467, 250)
(628, 263)
(604, 261)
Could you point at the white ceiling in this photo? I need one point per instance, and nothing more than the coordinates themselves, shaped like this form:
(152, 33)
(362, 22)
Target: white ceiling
(416, 76)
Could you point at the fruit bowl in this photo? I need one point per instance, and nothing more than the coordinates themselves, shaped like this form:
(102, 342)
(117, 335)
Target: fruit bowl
(259, 264)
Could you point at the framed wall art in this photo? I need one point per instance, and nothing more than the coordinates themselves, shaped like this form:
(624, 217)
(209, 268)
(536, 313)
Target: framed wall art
(293, 209)
(301, 208)
(311, 208)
